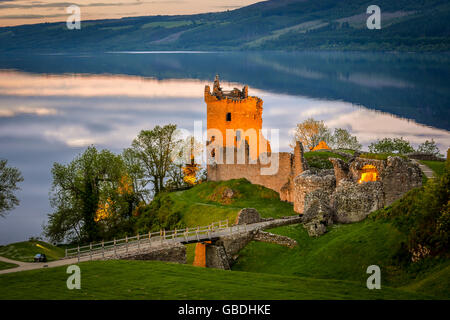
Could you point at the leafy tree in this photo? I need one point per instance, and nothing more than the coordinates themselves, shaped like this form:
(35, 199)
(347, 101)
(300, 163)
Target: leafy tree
(342, 139)
(310, 132)
(391, 145)
(92, 181)
(136, 174)
(155, 151)
(429, 147)
(9, 177)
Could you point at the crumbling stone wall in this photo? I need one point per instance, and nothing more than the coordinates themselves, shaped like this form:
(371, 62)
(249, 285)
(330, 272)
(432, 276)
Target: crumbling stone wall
(399, 177)
(309, 181)
(275, 238)
(248, 216)
(172, 253)
(352, 202)
(323, 204)
(216, 257)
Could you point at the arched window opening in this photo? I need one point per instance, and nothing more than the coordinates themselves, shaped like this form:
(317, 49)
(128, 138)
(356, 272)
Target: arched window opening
(228, 116)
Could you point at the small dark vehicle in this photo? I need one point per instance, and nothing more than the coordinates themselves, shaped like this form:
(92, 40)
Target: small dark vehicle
(40, 257)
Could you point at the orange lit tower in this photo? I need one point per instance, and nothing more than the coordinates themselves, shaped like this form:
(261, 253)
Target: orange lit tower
(237, 111)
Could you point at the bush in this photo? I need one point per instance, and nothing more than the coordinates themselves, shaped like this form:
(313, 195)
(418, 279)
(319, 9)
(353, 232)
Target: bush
(429, 147)
(159, 214)
(391, 145)
(423, 214)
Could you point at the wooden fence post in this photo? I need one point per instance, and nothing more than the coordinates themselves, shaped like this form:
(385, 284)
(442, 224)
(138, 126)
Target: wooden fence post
(115, 252)
(66, 253)
(198, 229)
(174, 235)
(139, 243)
(149, 238)
(78, 250)
(90, 250)
(103, 249)
(126, 243)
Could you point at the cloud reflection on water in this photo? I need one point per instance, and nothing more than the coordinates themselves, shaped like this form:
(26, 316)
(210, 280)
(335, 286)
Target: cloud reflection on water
(52, 118)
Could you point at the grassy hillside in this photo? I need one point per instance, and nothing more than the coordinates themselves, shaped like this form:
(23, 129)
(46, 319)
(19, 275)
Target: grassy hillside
(25, 251)
(204, 204)
(158, 280)
(270, 25)
(413, 228)
(344, 254)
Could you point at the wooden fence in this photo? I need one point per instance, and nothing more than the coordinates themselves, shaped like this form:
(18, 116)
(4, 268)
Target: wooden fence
(150, 239)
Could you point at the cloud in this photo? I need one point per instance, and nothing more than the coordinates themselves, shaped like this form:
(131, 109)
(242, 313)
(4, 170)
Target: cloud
(67, 4)
(14, 111)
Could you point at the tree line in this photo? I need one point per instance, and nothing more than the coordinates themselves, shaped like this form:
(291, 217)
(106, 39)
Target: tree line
(100, 194)
(310, 132)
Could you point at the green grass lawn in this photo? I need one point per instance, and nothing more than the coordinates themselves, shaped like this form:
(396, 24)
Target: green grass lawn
(6, 265)
(25, 251)
(344, 253)
(438, 167)
(159, 280)
(203, 204)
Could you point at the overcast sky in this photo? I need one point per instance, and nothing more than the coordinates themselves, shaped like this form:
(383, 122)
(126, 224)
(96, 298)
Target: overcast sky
(16, 12)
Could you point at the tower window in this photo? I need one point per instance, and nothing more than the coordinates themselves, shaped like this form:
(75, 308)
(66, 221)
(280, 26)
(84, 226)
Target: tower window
(229, 116)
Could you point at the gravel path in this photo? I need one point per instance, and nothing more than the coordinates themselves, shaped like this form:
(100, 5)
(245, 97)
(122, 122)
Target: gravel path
(425, 169)
(23, 266)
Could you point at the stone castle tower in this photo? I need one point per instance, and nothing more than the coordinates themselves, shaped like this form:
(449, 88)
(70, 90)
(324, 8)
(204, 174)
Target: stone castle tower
(237, 111)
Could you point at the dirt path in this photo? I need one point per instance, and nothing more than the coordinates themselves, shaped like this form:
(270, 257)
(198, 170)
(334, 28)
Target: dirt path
(23, 266)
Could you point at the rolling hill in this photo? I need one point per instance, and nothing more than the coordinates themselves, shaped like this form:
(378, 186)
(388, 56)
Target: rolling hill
(270, 25)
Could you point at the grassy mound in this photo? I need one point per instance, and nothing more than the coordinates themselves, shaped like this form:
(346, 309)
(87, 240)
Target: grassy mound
(25, 251)
(319, 159)
(344, 253)
(158, 280)
(205, 203)
(6, 265)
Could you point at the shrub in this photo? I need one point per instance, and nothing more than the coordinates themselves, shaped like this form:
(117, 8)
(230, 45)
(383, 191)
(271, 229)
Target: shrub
(391, 145)
(423, 214)
(429, 147)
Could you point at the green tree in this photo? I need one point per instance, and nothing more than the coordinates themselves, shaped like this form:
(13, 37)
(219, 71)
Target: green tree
(9, 177)
(155, 151)
(429, 147)
(342, 139)
(391, 145)
(92, 180)
(136, 175)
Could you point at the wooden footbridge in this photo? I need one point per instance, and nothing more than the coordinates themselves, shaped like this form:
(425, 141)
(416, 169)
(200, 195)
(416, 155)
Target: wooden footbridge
(157, 240)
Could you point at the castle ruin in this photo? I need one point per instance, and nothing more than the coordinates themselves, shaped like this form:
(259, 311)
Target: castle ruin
(347, 193)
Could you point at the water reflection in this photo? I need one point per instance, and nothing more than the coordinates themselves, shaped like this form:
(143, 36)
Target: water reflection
(51, 117)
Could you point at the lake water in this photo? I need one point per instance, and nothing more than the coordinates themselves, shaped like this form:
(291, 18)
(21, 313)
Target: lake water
(53, 106)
